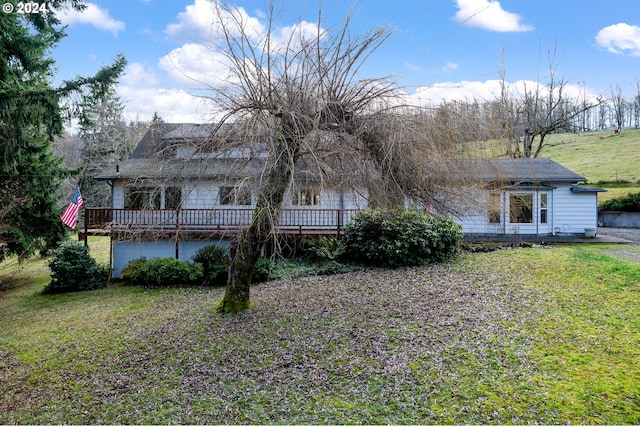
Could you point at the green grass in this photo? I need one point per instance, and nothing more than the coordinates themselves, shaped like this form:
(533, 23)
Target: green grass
(607, 160)
(602, 157)
(549, 335)
(598, 156)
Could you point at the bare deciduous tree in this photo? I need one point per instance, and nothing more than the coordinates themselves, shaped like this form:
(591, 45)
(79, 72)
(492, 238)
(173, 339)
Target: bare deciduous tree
(539, 111)
(618, 107)
(297, 88)
(317, 115)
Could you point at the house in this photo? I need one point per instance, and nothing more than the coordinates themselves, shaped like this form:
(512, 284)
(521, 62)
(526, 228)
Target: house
(529, 197)
(181, 189)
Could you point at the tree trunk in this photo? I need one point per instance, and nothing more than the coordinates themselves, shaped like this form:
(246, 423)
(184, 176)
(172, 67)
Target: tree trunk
(526, 144)
(244, 252)
(245, 249)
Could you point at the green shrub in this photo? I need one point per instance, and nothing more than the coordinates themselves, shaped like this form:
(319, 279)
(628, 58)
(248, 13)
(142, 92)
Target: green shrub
(629, 203)
(323, 248)
(132, 272)
(162, 272)
(400, 237)
(213, 259)
(262, 270)
(73, 269)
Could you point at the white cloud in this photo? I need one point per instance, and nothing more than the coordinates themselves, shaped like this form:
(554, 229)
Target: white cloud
(199, 61)
(295, 35)
(92, 15)
(412, 67)
(487, 91)
(173, 105)
(488, 15)
(450, 67)
(203, 20)
(456, 91)
(620, 39)
(196, 65)
(135, 74)
(144, 93)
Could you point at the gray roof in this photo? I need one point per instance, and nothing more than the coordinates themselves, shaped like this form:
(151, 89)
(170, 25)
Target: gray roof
(154, 158)
(164, 135)
(155, 155)
(532, 170)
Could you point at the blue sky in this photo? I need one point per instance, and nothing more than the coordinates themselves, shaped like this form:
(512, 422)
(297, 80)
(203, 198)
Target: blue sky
(439, 48)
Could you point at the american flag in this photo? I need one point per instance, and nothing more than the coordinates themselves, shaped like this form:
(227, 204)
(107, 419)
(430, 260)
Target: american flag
(70, 215)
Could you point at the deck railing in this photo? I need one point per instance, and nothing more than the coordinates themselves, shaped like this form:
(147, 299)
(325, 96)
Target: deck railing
(292, 221)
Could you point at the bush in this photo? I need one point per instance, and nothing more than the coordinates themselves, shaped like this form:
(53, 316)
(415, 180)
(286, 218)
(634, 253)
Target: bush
(162, 272)
(399, 237)
(323, 249)
(262, 270)
(213, 259)
(73, 269)
(629, 203)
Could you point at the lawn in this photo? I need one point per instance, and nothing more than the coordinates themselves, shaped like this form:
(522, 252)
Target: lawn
(611, 161)
(600, 155)
(604, 158)
(545, 335)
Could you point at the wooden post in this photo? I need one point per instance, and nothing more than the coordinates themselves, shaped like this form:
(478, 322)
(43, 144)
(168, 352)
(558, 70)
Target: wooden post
(177, 212)
(86, 227)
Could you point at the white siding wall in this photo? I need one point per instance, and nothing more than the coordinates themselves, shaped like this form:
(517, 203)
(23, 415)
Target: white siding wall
(476, 219)
(203, 195)
(574, 211)
(117, 195)
(474, 216)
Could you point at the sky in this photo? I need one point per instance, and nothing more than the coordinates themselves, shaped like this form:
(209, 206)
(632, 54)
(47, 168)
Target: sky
(438, 50)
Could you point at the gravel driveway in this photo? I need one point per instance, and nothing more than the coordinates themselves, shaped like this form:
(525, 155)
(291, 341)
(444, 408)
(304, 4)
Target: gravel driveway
(631, 234)
(624, 251)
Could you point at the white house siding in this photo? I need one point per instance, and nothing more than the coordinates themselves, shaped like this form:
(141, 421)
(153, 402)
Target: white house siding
(475, 220)
(574, 211)
(203, 195)
(117, 196)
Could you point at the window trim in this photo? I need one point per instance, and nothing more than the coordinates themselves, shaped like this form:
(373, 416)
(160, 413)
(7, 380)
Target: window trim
(235, 196)
(308, 197)
(495, 208)
(151, 197)
(520, 212)
(145, 197)
(544, 208)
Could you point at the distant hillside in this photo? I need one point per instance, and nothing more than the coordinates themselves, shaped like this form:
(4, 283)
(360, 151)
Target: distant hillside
(598, 156)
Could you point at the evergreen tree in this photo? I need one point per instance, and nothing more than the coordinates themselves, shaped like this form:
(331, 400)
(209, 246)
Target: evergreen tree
(31, 116)
(107, 140)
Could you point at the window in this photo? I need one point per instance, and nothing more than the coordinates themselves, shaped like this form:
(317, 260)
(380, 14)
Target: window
(239, 196)
(543, 208)
(521, 208)
(495, 208)
(172, 197)
(136, 198)
(307, 197)
(140, 197)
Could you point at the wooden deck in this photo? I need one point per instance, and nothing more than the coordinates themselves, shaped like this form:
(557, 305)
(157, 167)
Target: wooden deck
(209, 223)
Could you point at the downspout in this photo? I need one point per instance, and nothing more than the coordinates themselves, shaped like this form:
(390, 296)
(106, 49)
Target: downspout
(503, 207)
(537, 215)
(553, 214)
